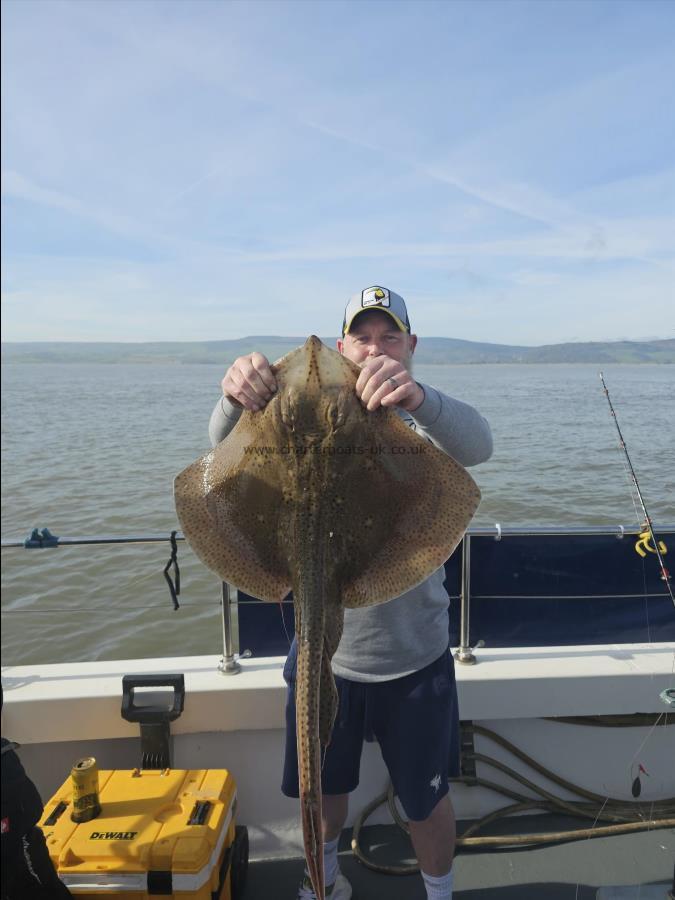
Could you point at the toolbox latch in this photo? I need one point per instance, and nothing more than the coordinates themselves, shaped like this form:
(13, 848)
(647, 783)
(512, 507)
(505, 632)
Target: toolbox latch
(199, 812)
(55, 814)
(160, 883)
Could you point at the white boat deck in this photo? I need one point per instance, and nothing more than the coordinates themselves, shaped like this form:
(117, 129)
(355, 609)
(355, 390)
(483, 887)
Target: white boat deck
(61, 712)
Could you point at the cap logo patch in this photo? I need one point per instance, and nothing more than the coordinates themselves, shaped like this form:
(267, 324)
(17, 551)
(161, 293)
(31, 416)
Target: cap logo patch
(374, 296)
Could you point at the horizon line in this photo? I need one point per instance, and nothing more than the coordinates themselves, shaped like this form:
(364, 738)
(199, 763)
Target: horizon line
(267, 337)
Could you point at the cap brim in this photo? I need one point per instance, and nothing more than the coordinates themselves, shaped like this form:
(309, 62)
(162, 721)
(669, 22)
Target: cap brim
(399, 324)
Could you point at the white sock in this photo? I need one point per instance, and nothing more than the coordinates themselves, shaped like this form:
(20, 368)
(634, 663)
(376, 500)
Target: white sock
(439, 887)
(330, 861)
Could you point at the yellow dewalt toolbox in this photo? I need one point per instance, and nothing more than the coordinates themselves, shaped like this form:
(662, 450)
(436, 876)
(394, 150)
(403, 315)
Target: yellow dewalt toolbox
(159, 832)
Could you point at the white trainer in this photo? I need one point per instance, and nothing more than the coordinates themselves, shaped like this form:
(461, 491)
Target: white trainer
(341, 889)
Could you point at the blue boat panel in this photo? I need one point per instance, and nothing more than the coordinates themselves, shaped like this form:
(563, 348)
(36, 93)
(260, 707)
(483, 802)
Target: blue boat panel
(536, 590)
(266, 629)
(557, 565)
(563, 590)
(536, 622)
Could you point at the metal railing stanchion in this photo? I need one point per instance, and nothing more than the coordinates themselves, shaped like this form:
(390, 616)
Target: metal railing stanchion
(228, 664)
(464, 653)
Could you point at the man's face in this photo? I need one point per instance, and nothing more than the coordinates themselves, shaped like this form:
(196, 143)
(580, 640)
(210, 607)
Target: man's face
(375, 334)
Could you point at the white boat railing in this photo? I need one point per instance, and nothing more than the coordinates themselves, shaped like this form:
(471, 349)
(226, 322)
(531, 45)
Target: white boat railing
(464, 654)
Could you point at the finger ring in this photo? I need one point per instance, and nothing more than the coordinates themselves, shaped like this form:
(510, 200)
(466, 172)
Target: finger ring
(393, 381)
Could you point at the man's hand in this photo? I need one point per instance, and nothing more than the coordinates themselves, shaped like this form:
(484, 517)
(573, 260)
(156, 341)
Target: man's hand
(250, 382)
(385, 382)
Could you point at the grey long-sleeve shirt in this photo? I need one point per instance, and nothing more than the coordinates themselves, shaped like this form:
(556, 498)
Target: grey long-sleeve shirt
(402, 636)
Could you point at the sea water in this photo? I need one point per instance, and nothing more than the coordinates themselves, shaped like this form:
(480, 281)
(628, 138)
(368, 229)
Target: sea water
(93, 450)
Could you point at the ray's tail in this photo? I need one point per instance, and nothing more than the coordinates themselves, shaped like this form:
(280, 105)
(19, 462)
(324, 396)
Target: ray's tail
(307, 700)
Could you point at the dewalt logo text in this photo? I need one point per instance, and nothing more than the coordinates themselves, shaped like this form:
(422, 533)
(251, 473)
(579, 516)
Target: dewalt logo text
(112, 835)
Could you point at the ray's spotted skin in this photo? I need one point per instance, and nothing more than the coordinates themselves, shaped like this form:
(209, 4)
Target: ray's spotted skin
(346, 507)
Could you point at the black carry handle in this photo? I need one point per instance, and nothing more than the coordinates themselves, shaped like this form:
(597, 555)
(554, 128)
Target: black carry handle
(152, 714)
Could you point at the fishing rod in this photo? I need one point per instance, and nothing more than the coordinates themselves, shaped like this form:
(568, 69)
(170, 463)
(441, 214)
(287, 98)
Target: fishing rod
(665, 575)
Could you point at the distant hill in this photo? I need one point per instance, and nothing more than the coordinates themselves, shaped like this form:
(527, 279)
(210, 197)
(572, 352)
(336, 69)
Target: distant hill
(435, 350)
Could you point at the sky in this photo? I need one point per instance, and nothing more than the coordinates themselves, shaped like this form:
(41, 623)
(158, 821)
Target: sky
(211, 170)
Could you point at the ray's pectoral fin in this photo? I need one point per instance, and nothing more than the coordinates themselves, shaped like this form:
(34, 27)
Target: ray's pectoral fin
(230, 508)
(420, 503)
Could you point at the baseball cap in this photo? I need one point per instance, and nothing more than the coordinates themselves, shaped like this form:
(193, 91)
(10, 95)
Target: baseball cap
(380, 298)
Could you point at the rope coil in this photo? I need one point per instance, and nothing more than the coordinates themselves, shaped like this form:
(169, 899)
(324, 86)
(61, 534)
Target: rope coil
(622, 816)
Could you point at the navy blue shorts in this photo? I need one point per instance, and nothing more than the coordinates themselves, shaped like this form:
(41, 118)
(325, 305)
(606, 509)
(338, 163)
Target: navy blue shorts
(415, 719)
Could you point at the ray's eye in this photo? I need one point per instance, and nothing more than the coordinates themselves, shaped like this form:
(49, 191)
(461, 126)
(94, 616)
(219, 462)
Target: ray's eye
(335, 415)
(287, 409)
(337, 412)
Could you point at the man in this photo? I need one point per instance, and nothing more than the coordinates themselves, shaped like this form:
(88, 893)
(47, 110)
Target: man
(394, 674)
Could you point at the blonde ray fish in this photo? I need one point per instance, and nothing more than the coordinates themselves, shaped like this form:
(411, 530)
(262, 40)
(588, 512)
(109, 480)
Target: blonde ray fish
(345, 507)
